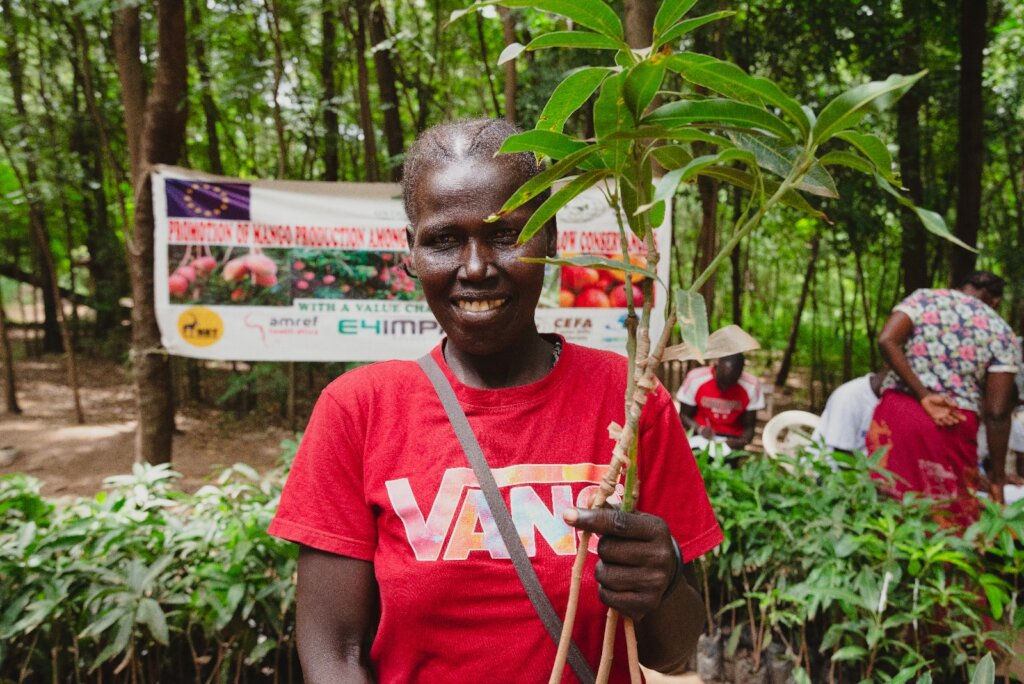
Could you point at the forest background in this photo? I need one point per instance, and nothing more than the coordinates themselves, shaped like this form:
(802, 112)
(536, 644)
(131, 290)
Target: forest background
(93, 91)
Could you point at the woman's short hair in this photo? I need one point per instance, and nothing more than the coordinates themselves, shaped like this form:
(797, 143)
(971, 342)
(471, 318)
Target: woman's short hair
(473, 139)
(985, 280)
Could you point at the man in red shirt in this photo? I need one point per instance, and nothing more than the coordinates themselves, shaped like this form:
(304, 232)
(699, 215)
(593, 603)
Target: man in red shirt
(720, 402)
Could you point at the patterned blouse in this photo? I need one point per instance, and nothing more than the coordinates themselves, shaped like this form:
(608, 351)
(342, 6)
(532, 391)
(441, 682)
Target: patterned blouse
(957, 339)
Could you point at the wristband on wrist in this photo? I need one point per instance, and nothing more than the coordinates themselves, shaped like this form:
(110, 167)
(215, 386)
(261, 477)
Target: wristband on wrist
(677, 572)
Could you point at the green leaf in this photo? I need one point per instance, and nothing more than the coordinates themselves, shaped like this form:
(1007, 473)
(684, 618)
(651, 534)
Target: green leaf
(569, 96)
(549, 143)
(684, 27)
(611, 113)
(672, 156)
(669, 13)
(780, 160)
(728, 79)
(692, 316)
(594, 14)
(116, 645)
(684, 135)
(547, 211)
(697, 166)
(800, 676)
(151, 615)
(259, 651)
(545, 179)
(594, 261)
(719, 113)
(667, 185)
(850, 107)
(642, 84)
(511, 51)
(985, 673)
(849, 160)
(742, 179)
(155, 571)
(670, 182)
(872, 147)
(849, 653)
(629, 201)
(905, 674)
(575, 39)
(933, 223)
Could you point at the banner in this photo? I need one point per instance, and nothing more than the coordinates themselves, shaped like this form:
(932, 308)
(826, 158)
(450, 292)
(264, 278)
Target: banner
(307, 271)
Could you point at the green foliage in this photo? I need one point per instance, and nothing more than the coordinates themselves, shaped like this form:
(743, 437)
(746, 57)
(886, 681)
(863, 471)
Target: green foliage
(849, 580)
(144, 581)
(729, 125)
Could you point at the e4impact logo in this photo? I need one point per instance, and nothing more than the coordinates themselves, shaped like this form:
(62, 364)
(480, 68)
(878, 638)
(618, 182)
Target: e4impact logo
(200, 326)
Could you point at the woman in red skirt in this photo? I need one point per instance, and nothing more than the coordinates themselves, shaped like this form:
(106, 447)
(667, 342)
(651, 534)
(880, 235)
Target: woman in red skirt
(953, 359)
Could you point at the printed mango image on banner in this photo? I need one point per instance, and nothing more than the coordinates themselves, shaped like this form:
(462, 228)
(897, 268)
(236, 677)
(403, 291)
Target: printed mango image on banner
(200, 327)
(601, 288)
(361, 274)
(209, 274)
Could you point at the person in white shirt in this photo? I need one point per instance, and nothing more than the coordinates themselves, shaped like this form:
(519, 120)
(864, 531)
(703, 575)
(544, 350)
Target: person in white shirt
(847, 415)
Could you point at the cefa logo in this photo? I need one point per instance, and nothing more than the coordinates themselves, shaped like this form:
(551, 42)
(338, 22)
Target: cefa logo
(200, 326)
(573, 323)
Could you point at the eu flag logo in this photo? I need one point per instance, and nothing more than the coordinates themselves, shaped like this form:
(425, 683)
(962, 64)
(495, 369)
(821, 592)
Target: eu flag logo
(207, 199)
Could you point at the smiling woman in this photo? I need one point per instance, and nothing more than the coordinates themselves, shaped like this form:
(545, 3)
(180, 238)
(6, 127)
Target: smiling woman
(404, 574)
(481, 291)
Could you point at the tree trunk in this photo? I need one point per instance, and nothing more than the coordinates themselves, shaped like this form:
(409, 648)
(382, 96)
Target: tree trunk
(870, 313)
(36, 210)
(358, 33)
(913, 263)
(282, 135)
(736, 263)
(7, 359)
(508, 30)
(206, 100)
(107, 265)
(160, 134)
(971, 152)
(1016, 180)
(794, 330)
(640, 22)
(386, 79)
(127, 38)
(707, 241)
(328, 63)
(83, 65)
(485, 59)
(36, 226)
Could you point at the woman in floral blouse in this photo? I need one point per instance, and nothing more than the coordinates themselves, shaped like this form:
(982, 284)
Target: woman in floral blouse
(953, 358)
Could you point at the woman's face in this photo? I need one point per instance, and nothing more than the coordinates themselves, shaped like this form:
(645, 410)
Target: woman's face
(480, 291)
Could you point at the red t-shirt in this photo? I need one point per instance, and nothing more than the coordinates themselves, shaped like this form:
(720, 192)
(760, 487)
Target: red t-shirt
(381, 477)
(719, 409)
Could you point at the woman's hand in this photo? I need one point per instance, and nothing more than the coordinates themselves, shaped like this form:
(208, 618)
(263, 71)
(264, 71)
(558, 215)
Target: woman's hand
(638, 562)
(941, 409)
(705, 432)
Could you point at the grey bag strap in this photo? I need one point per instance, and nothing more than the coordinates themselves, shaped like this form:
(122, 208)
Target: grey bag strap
(502, 517)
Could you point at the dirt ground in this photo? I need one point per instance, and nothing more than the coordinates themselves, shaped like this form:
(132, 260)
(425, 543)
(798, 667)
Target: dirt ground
(73, 460)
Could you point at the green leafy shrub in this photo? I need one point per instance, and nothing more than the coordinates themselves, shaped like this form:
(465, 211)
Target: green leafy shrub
(147, 583)
(852, 584)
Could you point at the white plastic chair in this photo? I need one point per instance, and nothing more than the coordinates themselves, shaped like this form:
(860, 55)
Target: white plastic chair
(788, 432)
